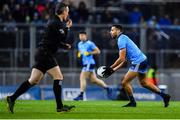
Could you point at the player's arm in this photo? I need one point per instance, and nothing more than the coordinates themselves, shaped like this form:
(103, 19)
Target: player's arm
(117, 64)
(95, 51)
(120, 61)
(94, 48)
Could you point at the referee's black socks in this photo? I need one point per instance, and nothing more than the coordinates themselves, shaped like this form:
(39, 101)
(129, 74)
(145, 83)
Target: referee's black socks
(22, 89)
(57, 92)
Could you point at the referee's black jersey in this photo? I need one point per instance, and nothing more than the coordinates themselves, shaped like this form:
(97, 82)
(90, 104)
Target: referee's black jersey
(54, 36)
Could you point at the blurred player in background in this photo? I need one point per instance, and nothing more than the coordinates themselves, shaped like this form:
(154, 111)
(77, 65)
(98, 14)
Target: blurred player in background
(45, 61)
(86, 50)
(128, 51)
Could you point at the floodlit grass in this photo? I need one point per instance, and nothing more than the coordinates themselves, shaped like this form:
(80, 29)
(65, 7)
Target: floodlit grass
(91, 110)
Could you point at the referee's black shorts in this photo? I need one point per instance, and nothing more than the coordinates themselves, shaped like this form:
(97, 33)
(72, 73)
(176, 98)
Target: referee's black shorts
(44, 60)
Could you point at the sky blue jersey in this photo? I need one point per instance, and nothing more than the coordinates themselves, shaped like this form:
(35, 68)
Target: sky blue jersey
(133, 53)
(86, 46)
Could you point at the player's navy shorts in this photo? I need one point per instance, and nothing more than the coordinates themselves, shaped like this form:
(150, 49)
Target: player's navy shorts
(141, 67)
(88, 67)
(44, 60)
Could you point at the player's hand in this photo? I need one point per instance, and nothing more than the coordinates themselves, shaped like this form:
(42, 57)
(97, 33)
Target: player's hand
(69, 23)
(108, 71)
(86, 53)
(79, 54)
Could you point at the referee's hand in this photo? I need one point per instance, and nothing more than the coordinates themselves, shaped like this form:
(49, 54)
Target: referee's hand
(69, 23)
(68, 46)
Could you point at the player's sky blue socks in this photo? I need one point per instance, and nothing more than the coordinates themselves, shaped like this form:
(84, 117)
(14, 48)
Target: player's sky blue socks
(57, 92)
(22, 89)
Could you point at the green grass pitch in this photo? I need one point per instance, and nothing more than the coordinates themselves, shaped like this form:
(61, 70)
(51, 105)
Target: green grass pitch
(45, 109)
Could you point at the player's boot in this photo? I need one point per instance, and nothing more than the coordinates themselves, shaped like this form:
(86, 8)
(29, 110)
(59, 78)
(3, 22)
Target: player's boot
(66, 108)
(130, 104)
(79, 97)
(166, 100)
(10, 104)
(109, 93)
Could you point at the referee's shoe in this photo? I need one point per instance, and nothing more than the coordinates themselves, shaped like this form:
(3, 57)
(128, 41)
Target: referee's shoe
(66, 108)
(10, 104)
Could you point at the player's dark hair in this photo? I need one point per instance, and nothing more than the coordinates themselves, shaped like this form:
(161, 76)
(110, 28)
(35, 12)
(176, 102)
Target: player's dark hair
(82, 32)
(118, 27)
(60, 7)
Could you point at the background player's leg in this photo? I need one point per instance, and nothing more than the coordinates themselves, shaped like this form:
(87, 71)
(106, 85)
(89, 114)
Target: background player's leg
(126, 84)
(100, 83)
(144, 82)
(97, 81)
(83, 76)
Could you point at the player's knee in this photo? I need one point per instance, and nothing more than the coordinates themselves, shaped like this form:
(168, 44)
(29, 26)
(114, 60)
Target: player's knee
(144, 83)
(124, 84)
(33, 82)
(61, 77)
(93, 81)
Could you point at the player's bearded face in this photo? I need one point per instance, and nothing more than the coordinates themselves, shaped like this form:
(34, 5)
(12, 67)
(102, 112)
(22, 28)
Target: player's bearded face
(113, 32)
(83, 37)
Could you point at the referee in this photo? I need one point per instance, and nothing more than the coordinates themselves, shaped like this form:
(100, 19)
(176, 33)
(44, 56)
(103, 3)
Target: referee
(45, 61)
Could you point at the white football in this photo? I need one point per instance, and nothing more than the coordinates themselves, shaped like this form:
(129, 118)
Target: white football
(100, 70)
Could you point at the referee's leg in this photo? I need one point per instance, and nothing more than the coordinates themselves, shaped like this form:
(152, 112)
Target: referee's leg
(36, 76)
(57, 76)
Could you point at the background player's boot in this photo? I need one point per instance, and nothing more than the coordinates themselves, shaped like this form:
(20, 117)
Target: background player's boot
(79, 97)
(130, 104)
(65, 108)
(10, 104)
(166, 99)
